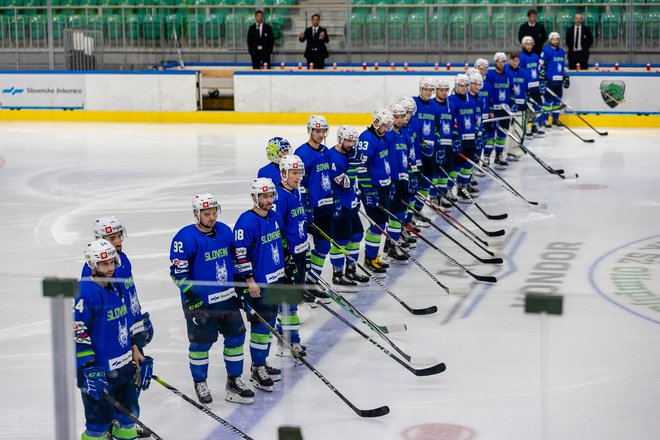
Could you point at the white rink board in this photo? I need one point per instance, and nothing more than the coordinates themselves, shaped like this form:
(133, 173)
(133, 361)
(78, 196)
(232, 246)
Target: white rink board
(352, 92)
(100, 91)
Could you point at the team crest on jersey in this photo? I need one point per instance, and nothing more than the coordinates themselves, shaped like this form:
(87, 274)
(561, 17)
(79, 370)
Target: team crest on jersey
(221, 272)
(388, 170)
(534, 74)
(325, 182)
(276, 254)
(135, 304)
(404, 162)
(301, 230)
(123, 333)
(502, 95)
(516, 90)
(426, 129)
(468, 123)
(446, 129)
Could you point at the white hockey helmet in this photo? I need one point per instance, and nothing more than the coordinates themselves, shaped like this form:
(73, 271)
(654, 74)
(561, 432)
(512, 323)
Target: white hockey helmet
(276, 148)
(426, 83)
(471, 71)
(476, 78)
(204, 201)
(553, 35)
(317, 121)
(382, 116)
(108, 224)
(397, 109)
(526, 39)
(408, 103)
(262, 185)
(499, 56)
(100, 250)
(291, 162)
(346, 133)
(462, 79)
(481, 62)
(442, 83)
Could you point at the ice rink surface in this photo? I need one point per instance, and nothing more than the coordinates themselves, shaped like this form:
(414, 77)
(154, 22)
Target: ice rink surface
(591, 373)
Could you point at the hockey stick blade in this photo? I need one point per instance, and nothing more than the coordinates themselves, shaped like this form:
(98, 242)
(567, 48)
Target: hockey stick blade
(376, 412)
(497, 233)
(495, 260)
(484, 278)
(393, 328)
(439, 368)
(425, 311)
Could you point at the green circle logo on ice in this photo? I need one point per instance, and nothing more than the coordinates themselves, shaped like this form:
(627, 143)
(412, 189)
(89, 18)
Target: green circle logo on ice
(438, 431)
(629, 276)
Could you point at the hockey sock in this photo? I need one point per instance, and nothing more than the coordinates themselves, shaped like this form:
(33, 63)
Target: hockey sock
(233, 354)
(353, 247)
(337, 258)
(288, 322)
(372, 242)
(464, 176)
(198, 358)
(318, 256)
(394, 228)
(441, 182)
(124, 429)
(488, 149)
(259, 343)
(499, 146)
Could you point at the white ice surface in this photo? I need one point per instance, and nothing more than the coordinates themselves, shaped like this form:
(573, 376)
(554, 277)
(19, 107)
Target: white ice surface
(602, 360)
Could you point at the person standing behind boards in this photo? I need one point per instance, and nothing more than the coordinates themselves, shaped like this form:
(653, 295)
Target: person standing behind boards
(316, 37)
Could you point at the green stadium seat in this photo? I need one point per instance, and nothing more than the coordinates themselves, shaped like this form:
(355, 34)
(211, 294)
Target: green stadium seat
(357, 28)
(37, 30)
(59, 24)
(194, 27)
(151, 27)
(174, 22)
(480, 24)
(234, 28)
(638, 24)
(456, 27)
(77, 20)
(416, 24)
(502, 26)
(434, 25)
(374, 29)
(614, 6)
(95, 23)
(395, 30)
(133, 28)
(652, 27)
(547, 20)
(610, 25)
(592, 20)
(563, 21)
(113, 27)
(214, 26)
(18, 28)
(13, 4)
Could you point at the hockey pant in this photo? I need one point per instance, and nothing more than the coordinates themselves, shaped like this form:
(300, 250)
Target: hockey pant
(348, 233)
(288, 324)
(373, 234)
(398, 208)
(99, 414)
(225, 320)
(551, 103)
(259, 334)
(462, 166)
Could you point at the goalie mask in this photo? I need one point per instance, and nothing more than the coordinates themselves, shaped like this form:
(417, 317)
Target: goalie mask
(277, 148)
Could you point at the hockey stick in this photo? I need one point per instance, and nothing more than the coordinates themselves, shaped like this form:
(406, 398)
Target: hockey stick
(485, 278)
(515, 115)
(458, 225)
(564, 125)
(425, 311)
(178, 47)
(601, 133)
(499, 179)
(545, 166)
(435, 369)
(495, 260)
(488, 216)
(203, 408)
(128, 414)
(414, 360)
(407, 254)
(376, 412)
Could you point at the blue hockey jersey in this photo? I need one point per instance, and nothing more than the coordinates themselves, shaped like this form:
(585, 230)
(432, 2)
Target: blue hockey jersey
(340, 164)
(427, 130)
(530, 62)
(258, 244)
(316, 181)
(444, 122)
(102, 321)
(553, 64)
(414, 150)
(501, 85)
(463, 112)
(398, 154)
(196, 256)
(372, 160)
(290, 207)
(270, 171)
(520, 80)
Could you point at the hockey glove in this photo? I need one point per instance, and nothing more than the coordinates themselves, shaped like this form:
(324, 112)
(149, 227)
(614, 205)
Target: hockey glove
(343, 181)
(427, 148)
(337, 212)
(146, 370)
(309, 214)
(290, 268)
(392, 194)
(195, 309)
(370, 196)
(456, 144)
(567, 82)
(145, 336)
(440, 156)
(405, 187)
(95, 382)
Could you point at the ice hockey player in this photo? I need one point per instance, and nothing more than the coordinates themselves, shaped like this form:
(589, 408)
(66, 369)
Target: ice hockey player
(112, 229)
(203, 268)
(463, 110)
(374, 182)
(529, 61)
(317, 192)
(397, 145)
(444, 154)
(501, 85)
(347, 227)
(289, 205)
(108, 357)
(553, 74)
(518, 104)
(260, 263)
(481, 112)
(415, 165)
(276, 149)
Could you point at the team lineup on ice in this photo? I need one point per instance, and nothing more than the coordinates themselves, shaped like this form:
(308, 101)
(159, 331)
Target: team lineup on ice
(417, 237)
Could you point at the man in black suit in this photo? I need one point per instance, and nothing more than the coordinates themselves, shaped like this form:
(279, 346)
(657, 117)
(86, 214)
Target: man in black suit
(578, 39)
(316, 37)
(535, 30)
(260, 41)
